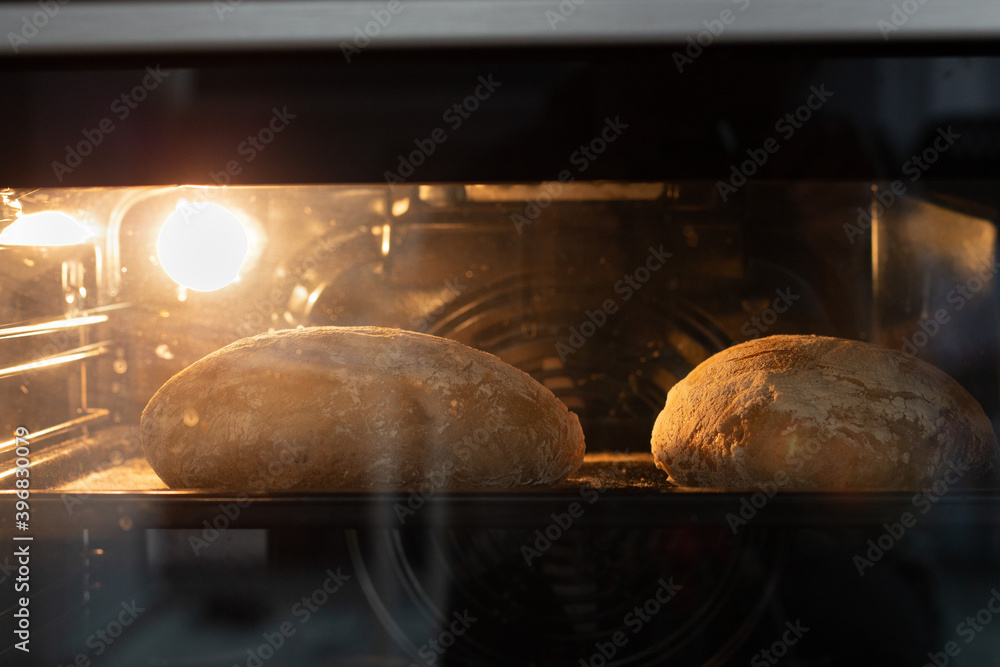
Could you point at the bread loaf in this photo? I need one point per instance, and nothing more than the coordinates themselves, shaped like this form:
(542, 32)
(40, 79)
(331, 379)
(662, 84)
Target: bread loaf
(810, 412)
(339, 408)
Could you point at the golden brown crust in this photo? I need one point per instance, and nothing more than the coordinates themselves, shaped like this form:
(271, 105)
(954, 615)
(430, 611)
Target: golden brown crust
(829, 413)
(338, 408)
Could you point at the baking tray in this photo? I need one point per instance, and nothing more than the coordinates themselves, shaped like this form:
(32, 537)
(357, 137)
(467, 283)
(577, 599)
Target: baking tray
(102, 483)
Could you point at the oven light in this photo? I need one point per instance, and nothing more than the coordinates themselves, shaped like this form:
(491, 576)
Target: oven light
(400, 206)
(203, 246)
(47, 228)
(386, 232)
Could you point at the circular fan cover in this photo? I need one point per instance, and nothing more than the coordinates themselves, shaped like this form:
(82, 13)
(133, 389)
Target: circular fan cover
(613, 370)
(570, 601)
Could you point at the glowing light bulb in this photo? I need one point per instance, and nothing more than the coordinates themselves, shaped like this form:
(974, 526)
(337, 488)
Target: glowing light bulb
(48, 228)
(202, 246)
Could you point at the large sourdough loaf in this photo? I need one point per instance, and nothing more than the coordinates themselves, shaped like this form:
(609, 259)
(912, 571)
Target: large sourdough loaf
(338, 408)
(810, 412)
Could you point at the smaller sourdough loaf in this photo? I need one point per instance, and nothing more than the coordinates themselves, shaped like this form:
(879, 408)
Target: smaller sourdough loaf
(339, 408)
(809, 412)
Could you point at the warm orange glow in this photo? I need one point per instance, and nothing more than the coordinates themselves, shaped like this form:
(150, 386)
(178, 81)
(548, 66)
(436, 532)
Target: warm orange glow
(54, 325)
(203, 246)
(386, 232)
(48, 228)
(45, 363)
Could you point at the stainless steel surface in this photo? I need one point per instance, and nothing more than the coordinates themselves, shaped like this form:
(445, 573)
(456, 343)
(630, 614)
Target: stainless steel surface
(592, 191)
(76, 354)
(10, 208)
(230, 25)
(91, 415)
(50, 326)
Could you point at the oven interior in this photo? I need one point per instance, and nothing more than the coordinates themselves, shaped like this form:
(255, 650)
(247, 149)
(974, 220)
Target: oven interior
(97, 326)
(108, 288)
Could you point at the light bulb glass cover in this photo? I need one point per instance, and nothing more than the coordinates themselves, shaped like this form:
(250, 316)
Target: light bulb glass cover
(46, 228)
(203, 246)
